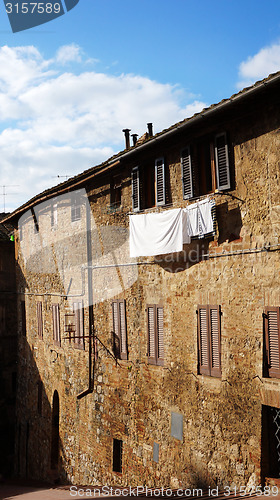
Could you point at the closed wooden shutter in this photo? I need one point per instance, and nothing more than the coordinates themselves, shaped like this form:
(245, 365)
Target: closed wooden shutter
(119, 329)
(160, 336)
(160, 181)
(135, 186)
(222, 162)
(272, 340)
(56, 324)
(79, 325)
(209, 340)
(215, 340)
(203, 341)
(40, 319)
(187, 176)
(151, 320)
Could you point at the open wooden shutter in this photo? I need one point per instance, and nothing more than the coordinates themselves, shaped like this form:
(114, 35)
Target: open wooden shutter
(56, 324)
(39, 319)
(135, 187)
(79, 323)
(272, 340)
(187, 176)
(116, 329)
(160, 181)
(222, 162)
(122, 329)
(215, 336)
(151, 322)
(119, 329)
(160, 340)
(203, 341)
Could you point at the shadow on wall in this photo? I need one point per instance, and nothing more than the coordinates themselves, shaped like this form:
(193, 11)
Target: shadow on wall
(38, 447)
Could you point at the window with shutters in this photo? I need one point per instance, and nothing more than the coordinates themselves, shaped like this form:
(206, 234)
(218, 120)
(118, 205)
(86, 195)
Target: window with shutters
(39, 319)
(119, 329)
(209, 340)
(205, 166)
(79, 325)
(155, 334)
(272, 342)
(148, 186)
(56, 324)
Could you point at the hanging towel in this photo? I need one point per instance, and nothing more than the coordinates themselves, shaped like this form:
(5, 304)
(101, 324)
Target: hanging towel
(205, 216)
(156, 233)
(199, 220)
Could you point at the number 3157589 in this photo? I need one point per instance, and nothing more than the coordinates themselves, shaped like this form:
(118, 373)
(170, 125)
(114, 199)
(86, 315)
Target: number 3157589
(32, 7)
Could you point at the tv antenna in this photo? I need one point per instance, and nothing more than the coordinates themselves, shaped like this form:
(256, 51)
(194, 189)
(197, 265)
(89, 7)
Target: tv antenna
(4, 193)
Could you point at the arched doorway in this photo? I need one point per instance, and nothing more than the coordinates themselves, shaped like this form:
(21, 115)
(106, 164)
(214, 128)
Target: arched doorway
(55, 431)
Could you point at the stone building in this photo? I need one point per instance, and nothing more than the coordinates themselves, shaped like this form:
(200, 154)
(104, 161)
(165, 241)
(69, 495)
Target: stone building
(148, 304)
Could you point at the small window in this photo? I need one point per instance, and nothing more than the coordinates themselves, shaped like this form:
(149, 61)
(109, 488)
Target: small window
(209, 340)
(23, 318)
(79, 325)
(272, 342)
(119, 329)
(56, 324)
(117, 455)
(205, 166)
(75, 209)
(39, 320)
(155, 334)
(148, 185)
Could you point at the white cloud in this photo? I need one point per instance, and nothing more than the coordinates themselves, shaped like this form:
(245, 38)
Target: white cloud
(259, 66)
(68, 53)
(60, 123)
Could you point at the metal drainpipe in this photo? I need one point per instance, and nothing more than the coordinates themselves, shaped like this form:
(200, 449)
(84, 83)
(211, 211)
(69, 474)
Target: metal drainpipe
(89, 390)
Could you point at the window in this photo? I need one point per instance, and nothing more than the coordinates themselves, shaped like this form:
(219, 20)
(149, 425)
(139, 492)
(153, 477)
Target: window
(148, 186)
(205, 166)
(155, 334)
(75, 208)
(209, 340)
(119, 329)
(56, 324)
(117, 455)
(79, 325)
(272, 341)
(23, 318)
(39, 319)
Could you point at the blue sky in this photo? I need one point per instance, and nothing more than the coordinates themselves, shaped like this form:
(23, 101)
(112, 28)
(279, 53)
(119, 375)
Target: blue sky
(67, 88)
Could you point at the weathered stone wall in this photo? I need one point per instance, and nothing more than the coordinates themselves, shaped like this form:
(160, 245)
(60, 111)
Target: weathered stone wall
(132, 400)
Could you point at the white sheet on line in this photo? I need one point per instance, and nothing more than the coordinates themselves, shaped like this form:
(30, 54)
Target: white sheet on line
(199, 218)
(157, 233)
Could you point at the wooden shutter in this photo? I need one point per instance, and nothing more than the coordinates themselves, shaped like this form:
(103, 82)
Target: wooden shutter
(272, 340)
(160, 181)
(119, 329)
(215, 339)
(222, 162)
(160, 340)
(151, 322)
(135, 186)
(123, 339)
(39, 319)
(209, 340)
(79, 325)
(187, 176)
(203, 341)
(56, 324)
